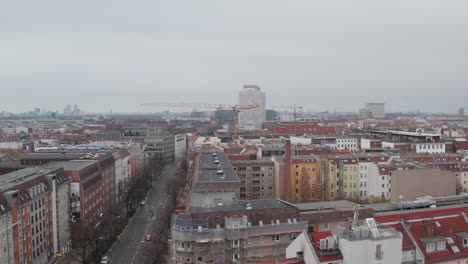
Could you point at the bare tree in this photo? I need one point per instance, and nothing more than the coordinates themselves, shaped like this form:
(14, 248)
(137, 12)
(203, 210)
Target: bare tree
(89, 249)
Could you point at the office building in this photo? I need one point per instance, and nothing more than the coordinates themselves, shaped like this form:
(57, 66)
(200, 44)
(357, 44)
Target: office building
(252, 119)
(158, 139)
(377, 109)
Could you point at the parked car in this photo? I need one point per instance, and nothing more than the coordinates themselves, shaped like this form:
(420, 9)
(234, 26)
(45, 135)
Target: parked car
(105, 260)
(144, 202)
(148, 238)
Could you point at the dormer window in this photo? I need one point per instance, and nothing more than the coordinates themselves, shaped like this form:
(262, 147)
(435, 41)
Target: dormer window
(465, 242)
(430, 247)
(441, 245)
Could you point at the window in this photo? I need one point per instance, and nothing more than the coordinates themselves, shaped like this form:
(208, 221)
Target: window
(276, 237)
(430, 247)
(378, 252)
(465, 242)
(262, 239)
(235, 243)
(326, 226)
(235, 257)
(441, 245)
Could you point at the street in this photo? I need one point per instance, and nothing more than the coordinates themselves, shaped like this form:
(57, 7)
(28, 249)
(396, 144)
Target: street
(131, 247)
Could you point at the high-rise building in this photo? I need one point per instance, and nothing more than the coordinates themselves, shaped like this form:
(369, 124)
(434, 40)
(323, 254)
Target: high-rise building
(461, 111)
(252, 119)
(377, 109)
(67, 111)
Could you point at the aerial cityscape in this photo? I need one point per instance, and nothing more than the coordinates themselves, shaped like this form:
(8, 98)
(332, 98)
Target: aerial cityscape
(256, 132)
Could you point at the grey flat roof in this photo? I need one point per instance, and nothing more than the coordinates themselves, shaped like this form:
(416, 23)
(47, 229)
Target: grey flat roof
(208, 169)
(206, 160)
(211, 198)
(424, 209)
(327, 205)
(70, 165)
(52, 156)
(14, 178)
(242, 205)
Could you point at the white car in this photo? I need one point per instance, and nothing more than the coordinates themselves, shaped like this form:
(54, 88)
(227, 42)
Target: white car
(105, 260)
(143, 202)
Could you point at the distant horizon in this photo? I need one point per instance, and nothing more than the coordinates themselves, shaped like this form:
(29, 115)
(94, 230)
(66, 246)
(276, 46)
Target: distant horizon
(321, 55)
(187, 111)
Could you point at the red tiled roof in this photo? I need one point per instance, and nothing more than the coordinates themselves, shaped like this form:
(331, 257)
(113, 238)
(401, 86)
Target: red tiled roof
(448, 228)
(238, 157)
(461, 144)
(334, 121)
(420, 215)
(450, 222)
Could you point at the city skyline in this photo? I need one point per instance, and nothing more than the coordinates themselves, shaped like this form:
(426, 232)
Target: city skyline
(318, 55)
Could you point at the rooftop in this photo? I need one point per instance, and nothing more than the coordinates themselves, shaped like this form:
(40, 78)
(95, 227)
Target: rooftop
(215, 167)
(243, 205)
(211, 199)
(71, 165)
(328, 205)
(51, 156)
(12, 179)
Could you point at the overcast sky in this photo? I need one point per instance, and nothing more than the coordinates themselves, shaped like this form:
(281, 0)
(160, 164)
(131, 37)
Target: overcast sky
(115, 55)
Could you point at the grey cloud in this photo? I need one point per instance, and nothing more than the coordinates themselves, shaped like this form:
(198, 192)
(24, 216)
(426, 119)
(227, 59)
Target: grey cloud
(321, 54)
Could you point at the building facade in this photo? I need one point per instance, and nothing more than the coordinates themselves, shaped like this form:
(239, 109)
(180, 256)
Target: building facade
(36, 225)
(252, 119)
(377, 109)
(239, 232)
(158, 139)
(257, 178)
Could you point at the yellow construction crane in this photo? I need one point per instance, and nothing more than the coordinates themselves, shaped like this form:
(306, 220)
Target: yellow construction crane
(236, 108)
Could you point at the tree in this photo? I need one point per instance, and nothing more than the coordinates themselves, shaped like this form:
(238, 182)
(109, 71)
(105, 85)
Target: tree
(88, 251)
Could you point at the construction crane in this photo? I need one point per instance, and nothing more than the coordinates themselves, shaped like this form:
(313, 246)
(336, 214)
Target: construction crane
(290, 107)
(236, 108)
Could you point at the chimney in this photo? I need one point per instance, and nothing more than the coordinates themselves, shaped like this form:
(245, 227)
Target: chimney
(287, 168)
(428, 229)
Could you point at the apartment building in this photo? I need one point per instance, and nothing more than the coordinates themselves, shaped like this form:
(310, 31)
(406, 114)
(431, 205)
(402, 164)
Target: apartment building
(347, 144)
(438, 235)
(87, 192)
(301, 129)
(107, 165)
(340, 174)
(257, 178)
(7, 253)
(305, 180)
(213, 172)
(325, 216)
(236, 232)
(434, 182)
(350, 244)
(35, 210)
